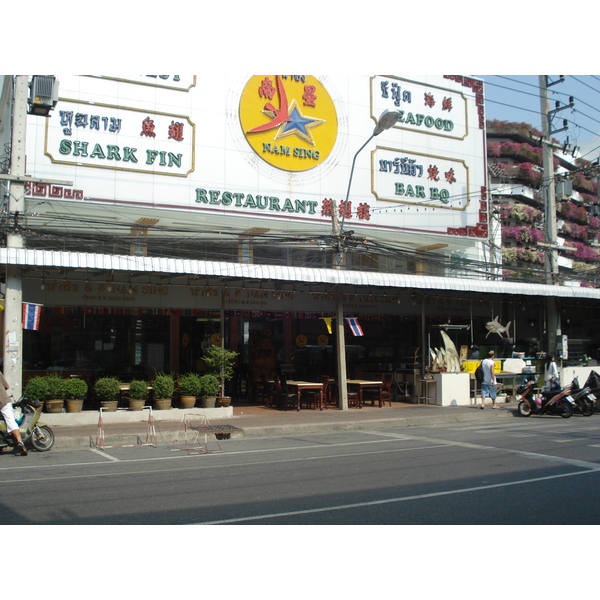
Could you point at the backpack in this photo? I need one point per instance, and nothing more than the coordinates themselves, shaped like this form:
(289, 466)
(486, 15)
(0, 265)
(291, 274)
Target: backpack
(479, 374)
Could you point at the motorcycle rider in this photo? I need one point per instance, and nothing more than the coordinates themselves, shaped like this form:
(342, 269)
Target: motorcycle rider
(9, 416)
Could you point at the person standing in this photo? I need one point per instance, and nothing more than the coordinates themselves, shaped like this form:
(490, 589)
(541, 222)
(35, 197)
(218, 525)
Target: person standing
(551, 374)
(9, 416)
(488, 387)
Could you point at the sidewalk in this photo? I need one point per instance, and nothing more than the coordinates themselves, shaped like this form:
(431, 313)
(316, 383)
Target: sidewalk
(260, 421)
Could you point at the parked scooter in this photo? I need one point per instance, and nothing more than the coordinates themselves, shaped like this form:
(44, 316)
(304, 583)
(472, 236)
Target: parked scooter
(584, 400)
(557, 404)
(27, 414)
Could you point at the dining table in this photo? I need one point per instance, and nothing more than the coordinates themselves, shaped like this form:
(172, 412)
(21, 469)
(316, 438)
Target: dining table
(301, 386)
(361, 385)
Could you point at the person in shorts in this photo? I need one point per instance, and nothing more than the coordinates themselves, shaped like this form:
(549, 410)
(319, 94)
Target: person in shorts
(488, 387)
(9, 416)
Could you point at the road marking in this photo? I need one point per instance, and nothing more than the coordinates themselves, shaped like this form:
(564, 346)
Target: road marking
(197, 467)
(583, 464)
(391, 500)
(105, 455)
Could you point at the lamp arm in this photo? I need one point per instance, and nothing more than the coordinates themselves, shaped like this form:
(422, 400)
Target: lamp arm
(350, 182)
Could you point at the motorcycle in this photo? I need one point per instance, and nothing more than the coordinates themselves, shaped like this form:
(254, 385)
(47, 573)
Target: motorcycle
(553, 403)
(584, 400)
(27, 414)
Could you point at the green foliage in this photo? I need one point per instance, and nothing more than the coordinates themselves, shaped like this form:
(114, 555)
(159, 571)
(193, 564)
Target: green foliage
(189, 384)
(107, 389)
(56, 386)
(37, 388)
(220, 361)
(163, 386)
(138, 388)
(74, 387)
(208, 385)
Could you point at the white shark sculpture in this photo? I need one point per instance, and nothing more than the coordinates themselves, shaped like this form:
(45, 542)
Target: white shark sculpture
(495, 327)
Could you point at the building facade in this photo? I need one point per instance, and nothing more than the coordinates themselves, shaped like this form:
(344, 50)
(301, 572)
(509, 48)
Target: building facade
(164, 213)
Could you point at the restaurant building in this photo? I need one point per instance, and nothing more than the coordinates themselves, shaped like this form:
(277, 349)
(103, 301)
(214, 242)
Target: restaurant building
(164, 213)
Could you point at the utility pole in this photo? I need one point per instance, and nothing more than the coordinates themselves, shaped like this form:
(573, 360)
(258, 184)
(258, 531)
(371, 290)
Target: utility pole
(13, 332)
(549, 196)
(340, 334)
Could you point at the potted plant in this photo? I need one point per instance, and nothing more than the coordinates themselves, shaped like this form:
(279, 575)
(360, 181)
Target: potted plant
(163, 387)
(220, 361)
(56, 393)
(136, 396)
(189, 389)
(108, 391)
(208, 389)
(75, 390)
(37, 388)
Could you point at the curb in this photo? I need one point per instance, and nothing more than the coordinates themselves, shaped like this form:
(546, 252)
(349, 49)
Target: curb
(65, 442)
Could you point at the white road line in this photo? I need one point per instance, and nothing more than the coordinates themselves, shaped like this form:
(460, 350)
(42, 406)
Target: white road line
(583, 464)
(389, 500)
(101, 453)
(216, 466)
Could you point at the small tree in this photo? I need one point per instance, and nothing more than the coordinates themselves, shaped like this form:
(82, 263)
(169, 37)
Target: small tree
(220, 362)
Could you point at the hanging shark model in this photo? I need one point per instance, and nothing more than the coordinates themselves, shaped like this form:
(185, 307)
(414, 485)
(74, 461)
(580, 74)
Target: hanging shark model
(495, 327)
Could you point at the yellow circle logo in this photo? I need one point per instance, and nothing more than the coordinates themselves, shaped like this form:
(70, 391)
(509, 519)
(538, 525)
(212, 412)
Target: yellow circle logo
(290, 121)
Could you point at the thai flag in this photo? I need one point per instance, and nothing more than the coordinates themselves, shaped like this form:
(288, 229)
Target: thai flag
(31, 316)
(354, 326)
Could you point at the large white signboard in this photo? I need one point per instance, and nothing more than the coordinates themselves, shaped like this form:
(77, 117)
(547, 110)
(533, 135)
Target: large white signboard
(273, 149)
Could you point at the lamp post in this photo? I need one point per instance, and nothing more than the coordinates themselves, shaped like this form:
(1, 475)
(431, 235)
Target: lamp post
(386, 120)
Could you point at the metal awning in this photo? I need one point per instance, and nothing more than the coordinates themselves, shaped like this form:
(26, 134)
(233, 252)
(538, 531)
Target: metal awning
(146, 264)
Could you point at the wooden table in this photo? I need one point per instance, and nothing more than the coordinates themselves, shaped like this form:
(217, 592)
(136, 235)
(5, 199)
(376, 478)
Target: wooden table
(361, 384)
(301, 386)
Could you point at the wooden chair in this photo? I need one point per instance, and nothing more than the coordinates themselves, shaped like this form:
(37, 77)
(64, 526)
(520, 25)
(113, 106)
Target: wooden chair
(266, 391)
(313, 396)
(386, 389)
(353, 397)
(282, 396)
(382, 394)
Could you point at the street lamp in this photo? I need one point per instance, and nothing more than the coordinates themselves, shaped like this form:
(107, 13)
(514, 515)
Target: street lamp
(387, 120)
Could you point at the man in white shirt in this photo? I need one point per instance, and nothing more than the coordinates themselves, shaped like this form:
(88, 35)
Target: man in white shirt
(488, 387)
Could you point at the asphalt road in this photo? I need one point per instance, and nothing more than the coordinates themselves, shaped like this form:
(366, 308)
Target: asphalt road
(540, 470)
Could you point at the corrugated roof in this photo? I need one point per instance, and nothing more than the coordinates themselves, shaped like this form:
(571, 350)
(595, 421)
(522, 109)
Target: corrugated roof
(83, 260)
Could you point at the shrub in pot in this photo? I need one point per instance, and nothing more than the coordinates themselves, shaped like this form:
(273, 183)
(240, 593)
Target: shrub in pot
(189, 389)
(136, 396)
(56, 393)
(163, 387)
(37, 388)
(108, 391)
(209, 388)
(75, 390)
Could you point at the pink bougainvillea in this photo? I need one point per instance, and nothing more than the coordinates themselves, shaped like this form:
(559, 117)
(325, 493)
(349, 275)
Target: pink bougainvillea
(525, 235)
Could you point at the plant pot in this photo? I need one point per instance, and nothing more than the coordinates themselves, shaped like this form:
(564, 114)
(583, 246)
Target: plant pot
(109, 405)
(223, 401)
(53, 406)
(188, 401)
(74, 405)
(208, 401)
(136, 403)
(162, 403)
